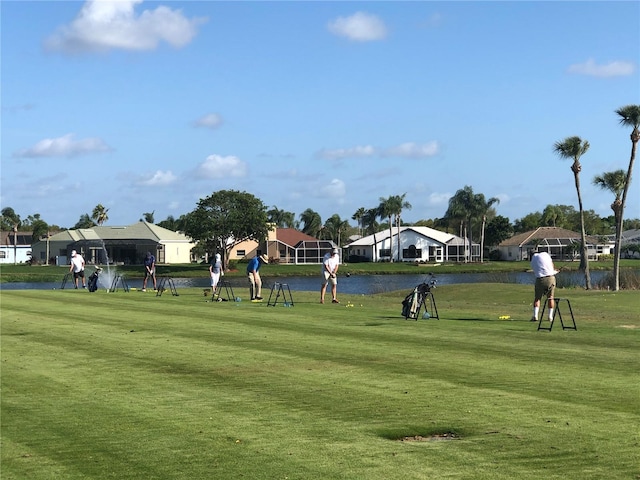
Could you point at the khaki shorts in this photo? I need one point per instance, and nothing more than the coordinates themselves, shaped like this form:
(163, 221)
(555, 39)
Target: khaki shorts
(327, 278)
(545, 286)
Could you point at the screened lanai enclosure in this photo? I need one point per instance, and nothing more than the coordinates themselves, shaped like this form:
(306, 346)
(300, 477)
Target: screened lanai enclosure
(306, 251)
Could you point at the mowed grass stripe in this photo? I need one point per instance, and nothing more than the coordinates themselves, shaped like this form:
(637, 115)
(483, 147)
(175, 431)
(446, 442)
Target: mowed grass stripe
(274, 392)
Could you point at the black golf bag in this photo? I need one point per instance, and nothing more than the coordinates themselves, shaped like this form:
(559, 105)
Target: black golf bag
(420, 297)
(93, 280)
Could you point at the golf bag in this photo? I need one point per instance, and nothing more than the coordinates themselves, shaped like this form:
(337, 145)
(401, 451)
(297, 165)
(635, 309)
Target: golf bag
(93, 280)
(417, 299)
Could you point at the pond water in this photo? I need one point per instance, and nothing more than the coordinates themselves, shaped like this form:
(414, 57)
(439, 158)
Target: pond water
(354, 284)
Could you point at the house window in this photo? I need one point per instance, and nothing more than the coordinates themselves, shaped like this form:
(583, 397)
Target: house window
(240, 253)
(385, 252)
(3, 254)
(412, 252)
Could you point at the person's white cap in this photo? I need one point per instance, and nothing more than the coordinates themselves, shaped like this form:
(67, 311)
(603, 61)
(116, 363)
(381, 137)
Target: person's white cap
(335, 250)
(73, 252)
(218, 256)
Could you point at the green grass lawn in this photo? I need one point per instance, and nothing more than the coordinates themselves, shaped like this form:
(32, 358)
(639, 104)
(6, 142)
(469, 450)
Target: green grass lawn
(135, 386)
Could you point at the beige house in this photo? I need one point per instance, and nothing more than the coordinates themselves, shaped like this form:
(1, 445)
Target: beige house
(116, 245)
(285, 245)
(560, 243)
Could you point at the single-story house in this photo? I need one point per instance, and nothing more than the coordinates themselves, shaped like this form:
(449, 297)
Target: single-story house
(285, 245)
(416, 244)
(15, 248)
(560, 243)
(629, 243)
(116, 245)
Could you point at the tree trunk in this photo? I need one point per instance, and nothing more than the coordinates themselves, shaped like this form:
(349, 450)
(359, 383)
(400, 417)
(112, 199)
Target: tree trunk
(584, 256)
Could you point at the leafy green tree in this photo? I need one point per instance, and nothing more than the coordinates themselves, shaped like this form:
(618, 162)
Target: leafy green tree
(227, 218)
(84, 221)
(629, 117)
(529, 222)
(312, 222)
(499, 229)
(573, 148)
(99, 214)
(552, 215)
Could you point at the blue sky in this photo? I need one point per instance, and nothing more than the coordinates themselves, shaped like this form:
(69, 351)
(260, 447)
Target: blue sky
(149, 106)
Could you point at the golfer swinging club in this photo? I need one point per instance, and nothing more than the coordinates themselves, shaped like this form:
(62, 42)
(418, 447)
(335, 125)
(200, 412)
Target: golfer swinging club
(149, 271)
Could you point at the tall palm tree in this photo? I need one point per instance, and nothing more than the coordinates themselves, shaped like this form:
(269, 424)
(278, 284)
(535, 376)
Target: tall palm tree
(482, 208)
(629, 117)
(398, 203)
(551, 215)
(99, 214)
(281, 218)
(468, 207)
(574, 148)
(12, 219)
(148, 217)
(334, 227)
(312, 222)
(369, 223)
(614, 182)
(386, 210)
(358, 217)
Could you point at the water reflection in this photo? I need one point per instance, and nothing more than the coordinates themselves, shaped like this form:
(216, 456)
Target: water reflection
(355, 284)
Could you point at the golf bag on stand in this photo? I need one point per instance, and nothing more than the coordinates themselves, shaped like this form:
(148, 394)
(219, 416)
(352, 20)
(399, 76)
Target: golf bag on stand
(421, 298)
(93, 280)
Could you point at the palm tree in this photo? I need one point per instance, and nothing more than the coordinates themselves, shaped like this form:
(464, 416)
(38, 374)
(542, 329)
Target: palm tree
(629, 117)
(312, 222)
(358, 217)
(334, 227)
(551, 215)
(386, 210)
(574, 148)
(369, 224)
(614, 182)
(99, 214)
(281, 218)
(11, 218)
(482, 208)
(398, 203)
(467, 207)
(147, 217)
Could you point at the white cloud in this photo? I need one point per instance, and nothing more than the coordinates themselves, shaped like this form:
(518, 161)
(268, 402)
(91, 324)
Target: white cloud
(353, 152)
(217, 166)
(104, 25)
(404, 150)
(360, 27)
(412, 150)
(336, 189)
(436, 199)
(612, 69)
(159, 179)
(64, 146)
(211, 120)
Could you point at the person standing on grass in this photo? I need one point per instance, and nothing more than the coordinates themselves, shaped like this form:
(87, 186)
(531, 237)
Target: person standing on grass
(330, 265)
(77, 268)
(545, 273)
(216, 272)
(149, 271)
(255, 282)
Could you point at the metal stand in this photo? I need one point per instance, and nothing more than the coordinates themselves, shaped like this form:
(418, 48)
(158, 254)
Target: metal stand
(280, 289)
(424, 300)
(161, 286)
(230, 296)
(66, 278)
(114, 284)
(557, 313)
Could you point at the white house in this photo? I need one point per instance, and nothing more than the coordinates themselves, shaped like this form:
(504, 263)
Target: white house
(415, 244)
(15, 248)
